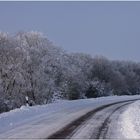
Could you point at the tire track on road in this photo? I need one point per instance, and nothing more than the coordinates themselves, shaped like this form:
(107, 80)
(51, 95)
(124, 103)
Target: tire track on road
(105, 125)
(68, 130)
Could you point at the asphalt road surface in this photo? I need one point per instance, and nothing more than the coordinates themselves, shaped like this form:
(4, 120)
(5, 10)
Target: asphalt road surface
(101, 123)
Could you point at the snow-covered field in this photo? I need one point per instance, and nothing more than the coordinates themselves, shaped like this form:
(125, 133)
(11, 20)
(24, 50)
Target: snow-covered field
(130, 121)
(41, 121)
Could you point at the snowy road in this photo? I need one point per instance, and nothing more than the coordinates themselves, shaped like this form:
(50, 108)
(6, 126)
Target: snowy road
(85, 118)
(101, 123)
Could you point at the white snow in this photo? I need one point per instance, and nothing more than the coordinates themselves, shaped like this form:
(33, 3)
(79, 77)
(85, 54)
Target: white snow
(130, 121)
(42, 121)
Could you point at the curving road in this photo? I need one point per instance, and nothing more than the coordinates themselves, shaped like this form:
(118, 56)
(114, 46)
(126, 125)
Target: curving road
(100, 123)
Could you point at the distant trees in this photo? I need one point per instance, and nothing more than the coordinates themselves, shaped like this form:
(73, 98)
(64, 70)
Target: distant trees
(30, 65)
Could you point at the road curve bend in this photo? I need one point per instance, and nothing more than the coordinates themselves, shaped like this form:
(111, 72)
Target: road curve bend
(99, 123)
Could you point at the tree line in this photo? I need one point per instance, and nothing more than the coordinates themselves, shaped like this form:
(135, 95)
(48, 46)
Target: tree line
(31, 66)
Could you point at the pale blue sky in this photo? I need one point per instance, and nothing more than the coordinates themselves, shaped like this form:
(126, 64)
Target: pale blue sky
(111, 29)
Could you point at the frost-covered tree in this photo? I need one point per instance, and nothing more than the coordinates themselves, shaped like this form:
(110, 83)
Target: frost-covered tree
(31, 66)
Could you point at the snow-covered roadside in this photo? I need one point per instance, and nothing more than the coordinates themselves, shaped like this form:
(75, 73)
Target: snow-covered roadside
(130, 121)
(41, 121)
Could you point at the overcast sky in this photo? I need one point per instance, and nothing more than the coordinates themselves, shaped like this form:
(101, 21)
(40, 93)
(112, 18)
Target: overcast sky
(111, 29)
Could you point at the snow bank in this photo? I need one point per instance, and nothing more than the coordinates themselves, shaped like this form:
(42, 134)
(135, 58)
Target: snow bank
(130, 121)
(42, 121)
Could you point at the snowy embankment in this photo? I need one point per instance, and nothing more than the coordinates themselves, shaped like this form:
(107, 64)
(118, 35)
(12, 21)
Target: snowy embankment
(42, 121)
(130, 121)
